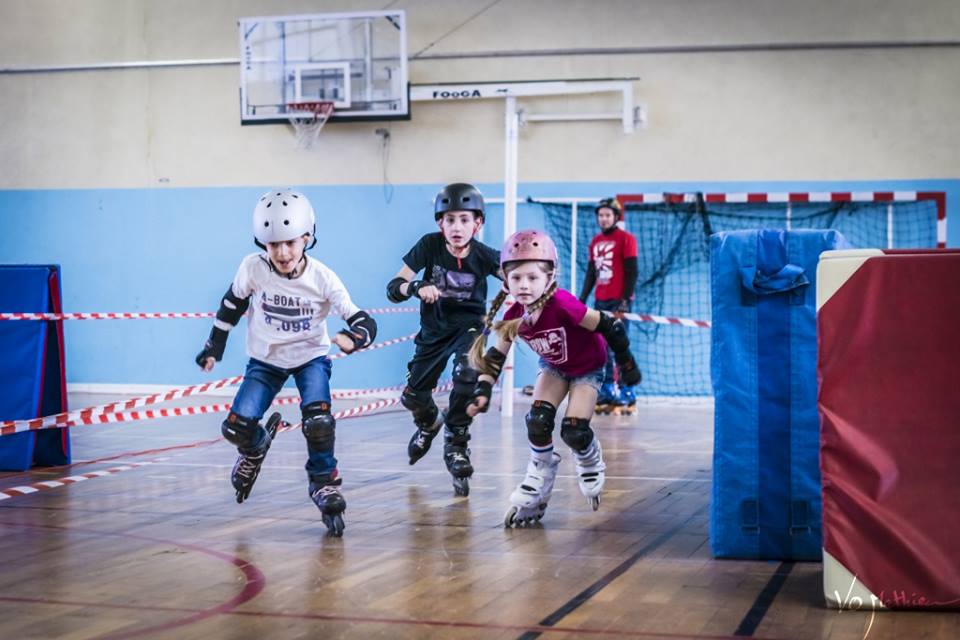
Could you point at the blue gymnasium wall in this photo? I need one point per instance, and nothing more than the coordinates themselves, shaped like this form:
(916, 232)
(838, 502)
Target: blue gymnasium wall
(177, 250)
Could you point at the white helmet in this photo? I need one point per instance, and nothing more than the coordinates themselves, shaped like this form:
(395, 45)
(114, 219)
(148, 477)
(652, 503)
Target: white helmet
(281, 215)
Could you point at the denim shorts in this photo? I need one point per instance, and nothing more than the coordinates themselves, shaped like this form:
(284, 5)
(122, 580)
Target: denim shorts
(591, 378)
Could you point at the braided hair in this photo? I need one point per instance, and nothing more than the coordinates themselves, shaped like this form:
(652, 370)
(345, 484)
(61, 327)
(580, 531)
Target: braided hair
(507, 329)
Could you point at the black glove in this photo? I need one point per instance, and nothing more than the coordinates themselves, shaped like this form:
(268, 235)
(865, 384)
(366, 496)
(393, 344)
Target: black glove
(483, 389)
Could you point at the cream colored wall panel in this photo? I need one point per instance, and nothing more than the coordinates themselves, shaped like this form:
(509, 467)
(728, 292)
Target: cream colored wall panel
(65, 32)
(830, 115)
(85, 130)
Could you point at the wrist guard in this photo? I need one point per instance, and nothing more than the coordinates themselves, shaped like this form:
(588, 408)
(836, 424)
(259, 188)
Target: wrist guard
(363, 330)
(414, 287)
(483, 389)
(213, 347)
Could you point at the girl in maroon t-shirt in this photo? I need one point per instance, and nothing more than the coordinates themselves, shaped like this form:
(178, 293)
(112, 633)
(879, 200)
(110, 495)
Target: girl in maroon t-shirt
(570, 340)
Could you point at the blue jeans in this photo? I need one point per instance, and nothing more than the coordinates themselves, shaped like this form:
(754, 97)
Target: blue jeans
(261, 384)
(608, 305)
(592, 378)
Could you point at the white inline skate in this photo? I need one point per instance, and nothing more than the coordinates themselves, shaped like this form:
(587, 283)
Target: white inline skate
(529, 500)
(590, 468)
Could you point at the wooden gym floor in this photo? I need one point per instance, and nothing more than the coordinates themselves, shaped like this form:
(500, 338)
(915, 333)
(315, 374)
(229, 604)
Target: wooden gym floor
(163, 550)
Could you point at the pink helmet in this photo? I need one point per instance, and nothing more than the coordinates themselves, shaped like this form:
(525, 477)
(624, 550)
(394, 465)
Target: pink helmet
(529, 245)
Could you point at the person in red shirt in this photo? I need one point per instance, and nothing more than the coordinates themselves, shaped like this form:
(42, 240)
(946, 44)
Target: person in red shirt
(613, 269)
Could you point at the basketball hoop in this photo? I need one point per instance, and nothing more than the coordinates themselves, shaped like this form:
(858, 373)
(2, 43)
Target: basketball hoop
(307, 119)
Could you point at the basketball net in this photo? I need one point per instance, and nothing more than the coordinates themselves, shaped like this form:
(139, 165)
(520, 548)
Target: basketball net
(307, 120)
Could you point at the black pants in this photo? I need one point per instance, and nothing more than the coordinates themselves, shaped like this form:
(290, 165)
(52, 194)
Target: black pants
(430, 359)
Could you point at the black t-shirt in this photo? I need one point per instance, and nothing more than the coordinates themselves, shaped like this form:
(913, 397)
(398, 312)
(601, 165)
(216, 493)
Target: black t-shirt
(462, 282)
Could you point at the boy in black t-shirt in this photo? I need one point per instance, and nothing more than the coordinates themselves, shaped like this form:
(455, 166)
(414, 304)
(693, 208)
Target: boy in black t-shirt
(452, 293)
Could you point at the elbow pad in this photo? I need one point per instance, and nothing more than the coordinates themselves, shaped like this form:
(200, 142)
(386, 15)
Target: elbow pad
(393, 290)
(614, 333)
(231, 310)
(363, 329)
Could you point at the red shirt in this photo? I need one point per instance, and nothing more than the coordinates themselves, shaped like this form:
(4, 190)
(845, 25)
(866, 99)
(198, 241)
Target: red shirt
(608, 251)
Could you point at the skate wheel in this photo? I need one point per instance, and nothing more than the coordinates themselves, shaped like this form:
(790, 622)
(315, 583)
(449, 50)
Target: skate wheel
(508, 519)
(594, 502)
(335, 525)
(461, 486)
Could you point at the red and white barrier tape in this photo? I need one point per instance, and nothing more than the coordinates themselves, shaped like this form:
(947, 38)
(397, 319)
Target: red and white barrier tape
(103, 316)
(176, 412)
(149, 414)
(89, 415)
(61, 419)
(356, 393)
(649, 317)
(154, 316)
(382, 310)
(374, 347)
(684, 322)
(367, 408)
(639, 317)
(12, 492)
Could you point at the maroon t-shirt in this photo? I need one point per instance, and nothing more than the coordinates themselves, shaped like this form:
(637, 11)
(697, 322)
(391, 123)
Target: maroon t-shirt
(558, 337)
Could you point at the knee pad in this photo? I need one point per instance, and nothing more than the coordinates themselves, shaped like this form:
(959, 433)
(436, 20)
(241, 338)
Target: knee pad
(421, 405)
(464, 376)
(244, 433)
(576, 433)
(540, 422)
(319, 426)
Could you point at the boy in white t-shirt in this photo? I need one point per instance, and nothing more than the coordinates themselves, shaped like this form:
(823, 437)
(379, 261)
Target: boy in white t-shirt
(287, 297)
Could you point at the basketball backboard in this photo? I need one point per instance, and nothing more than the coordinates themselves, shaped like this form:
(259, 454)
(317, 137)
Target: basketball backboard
(356, 60)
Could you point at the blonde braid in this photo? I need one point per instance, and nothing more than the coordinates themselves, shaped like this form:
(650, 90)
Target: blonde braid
(480, 344)
(508, 329)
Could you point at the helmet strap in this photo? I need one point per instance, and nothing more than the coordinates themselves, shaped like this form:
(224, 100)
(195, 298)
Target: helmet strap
(294, 273)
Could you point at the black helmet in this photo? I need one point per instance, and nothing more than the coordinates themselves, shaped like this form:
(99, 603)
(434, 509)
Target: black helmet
(614, 205)
(458, 196)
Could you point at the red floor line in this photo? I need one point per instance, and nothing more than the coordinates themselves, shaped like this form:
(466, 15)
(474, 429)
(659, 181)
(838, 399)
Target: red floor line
(375, 620)
(254, 583)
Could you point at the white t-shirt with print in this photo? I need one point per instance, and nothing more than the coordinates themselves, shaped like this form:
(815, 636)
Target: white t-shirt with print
(287, 319)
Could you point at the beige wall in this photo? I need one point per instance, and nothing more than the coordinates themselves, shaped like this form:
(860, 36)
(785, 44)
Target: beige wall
(832, 115)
